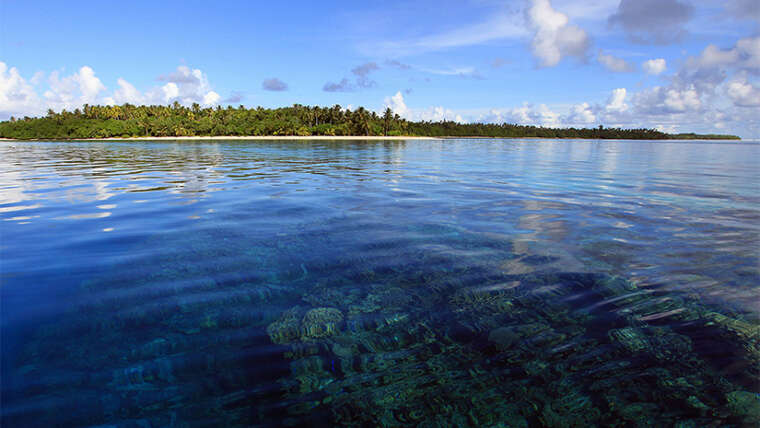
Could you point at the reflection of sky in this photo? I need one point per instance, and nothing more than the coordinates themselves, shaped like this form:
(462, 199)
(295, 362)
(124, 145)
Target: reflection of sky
(628, 203)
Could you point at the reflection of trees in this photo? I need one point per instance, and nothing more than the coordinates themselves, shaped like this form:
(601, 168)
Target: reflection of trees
(86, 172)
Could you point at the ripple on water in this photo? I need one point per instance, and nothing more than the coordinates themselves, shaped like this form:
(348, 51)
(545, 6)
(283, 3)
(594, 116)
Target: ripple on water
(467, 283)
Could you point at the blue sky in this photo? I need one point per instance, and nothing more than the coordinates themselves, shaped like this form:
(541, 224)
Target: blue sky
(677, 65)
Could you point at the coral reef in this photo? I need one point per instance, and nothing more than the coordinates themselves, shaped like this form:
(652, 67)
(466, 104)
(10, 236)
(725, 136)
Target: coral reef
(418, 338)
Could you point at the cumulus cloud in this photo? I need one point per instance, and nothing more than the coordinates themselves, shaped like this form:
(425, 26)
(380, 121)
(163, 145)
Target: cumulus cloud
(527, 114)
(582, 114)
(654, 66)
(664, 100)
(616, 102)
(613, 63)
(743, 93)
(19, 96)
(615, 111)
(126, 93)
(69, 92)
(186, 86)
(709, 70)
(183, 74)
(274, 84)
(171, 91)
(397, 104)
(211, 98)
(554, 36)
(432, 114)
(744, 55)
(652, 21)
(713, 90)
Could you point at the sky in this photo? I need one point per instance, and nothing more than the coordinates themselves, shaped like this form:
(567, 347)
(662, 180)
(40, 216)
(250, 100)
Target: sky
(674, 65)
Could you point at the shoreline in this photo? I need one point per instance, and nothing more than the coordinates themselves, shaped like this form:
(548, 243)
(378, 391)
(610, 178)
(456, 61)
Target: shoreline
(340, 138)
(243, 137)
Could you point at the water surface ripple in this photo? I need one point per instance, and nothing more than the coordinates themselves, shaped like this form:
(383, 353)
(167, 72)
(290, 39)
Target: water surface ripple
(400, 283)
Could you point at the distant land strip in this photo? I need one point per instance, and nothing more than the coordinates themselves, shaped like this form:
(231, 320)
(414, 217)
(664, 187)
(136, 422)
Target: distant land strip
(171, 121)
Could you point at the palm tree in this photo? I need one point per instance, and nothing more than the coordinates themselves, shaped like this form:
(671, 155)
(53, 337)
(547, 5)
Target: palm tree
(387, 118)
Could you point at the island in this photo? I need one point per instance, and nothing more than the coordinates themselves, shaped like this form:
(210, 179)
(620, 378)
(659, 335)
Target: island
(176, 120)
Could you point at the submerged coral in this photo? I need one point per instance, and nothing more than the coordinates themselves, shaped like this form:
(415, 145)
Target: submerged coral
(414, 339)
(321, 322)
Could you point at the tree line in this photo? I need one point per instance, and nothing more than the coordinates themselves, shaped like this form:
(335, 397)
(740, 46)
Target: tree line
(176, 120)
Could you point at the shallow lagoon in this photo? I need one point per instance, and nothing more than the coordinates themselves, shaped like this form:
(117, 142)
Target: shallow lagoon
(447, 282)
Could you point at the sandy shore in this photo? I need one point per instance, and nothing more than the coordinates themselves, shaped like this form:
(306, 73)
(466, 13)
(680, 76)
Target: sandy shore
(280, 137)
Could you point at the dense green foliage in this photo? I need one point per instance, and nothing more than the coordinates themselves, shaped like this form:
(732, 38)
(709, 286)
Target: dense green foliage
(177, 120)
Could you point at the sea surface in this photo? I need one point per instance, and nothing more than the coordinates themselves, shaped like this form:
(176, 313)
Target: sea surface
(506, 283)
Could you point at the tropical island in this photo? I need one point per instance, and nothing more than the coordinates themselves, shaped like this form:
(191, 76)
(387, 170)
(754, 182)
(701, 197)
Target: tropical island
(176, 120)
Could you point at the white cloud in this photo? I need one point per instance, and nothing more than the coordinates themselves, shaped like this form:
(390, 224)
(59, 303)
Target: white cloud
(745, 55)
(186, 86)
(614, 63)
(126, 93)
(527, 114)
(679, 101)
(437, 114)
(581, 114)
(397, 104)
(171, 91)
(89, 85)
(432, 114)
(20, 97)
(616, 102)
(70, 92)
(554, 37)
(654, 66)
(211, 98)
(667, 100)
(17, 96)
(743, 93)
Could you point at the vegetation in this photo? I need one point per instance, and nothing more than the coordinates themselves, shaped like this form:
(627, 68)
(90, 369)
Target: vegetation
(176, 120)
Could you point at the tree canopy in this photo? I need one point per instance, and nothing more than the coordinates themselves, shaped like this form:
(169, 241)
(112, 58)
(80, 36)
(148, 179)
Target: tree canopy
(177, 120)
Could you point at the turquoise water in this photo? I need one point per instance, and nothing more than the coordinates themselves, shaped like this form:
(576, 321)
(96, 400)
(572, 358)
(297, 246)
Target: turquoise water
(405, 283)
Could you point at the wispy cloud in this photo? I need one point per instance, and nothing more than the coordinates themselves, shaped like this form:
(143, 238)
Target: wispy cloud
(469, 72)
(361, 79)
(397, 64)
(502, 25)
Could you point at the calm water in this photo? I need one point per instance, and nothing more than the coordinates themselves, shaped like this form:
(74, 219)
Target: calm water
(433, 283)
